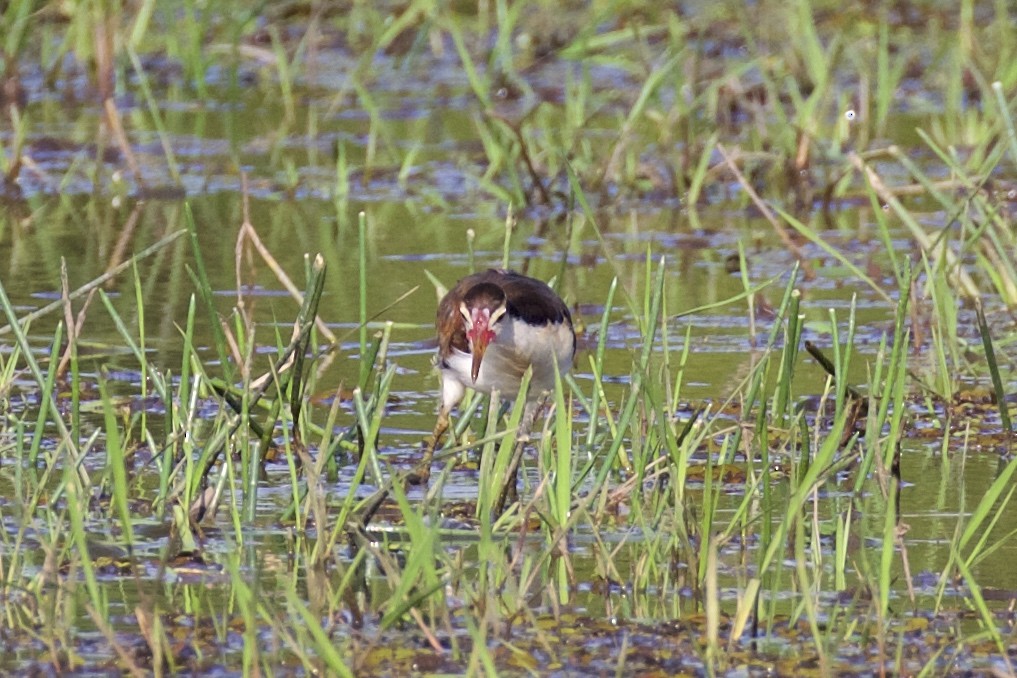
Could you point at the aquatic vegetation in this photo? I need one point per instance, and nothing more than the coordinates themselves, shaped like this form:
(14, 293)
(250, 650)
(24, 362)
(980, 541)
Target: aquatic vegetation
(785, 444)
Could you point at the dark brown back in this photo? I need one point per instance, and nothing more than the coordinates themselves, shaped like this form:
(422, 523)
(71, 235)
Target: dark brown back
(526, 298)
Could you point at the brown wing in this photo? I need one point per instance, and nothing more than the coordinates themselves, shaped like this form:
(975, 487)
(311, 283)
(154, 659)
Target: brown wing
(532, 300)
(527, 298)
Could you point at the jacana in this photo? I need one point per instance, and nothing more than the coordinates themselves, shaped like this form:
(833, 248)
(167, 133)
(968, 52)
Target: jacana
(491, 327)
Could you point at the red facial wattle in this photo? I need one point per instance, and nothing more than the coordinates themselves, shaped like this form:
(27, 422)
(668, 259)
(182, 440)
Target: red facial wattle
(480, 336)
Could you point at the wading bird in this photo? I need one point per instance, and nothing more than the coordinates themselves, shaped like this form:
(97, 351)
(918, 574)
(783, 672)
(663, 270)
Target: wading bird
(491, 327)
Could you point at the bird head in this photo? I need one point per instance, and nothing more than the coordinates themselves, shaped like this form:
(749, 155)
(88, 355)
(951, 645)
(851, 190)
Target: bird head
(482, 307)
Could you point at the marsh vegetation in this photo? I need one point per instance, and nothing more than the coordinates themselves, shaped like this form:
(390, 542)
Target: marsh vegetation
(786, 233)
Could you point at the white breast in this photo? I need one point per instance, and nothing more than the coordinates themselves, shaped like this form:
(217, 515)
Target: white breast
(517, 346)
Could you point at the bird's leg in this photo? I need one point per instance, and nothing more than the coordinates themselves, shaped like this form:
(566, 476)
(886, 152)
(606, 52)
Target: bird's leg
(422, 473)
(509, 492)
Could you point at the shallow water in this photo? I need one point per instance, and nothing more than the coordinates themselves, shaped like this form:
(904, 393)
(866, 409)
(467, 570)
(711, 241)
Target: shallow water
(420, 218)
